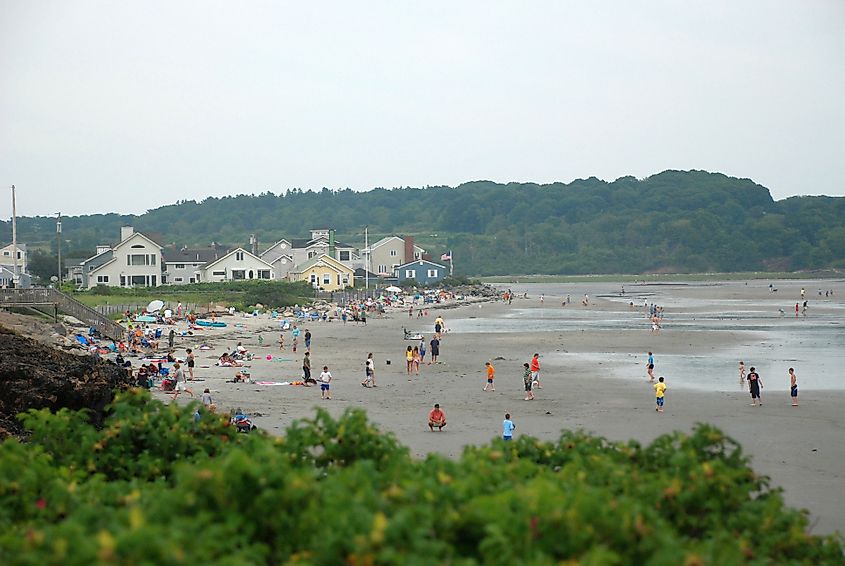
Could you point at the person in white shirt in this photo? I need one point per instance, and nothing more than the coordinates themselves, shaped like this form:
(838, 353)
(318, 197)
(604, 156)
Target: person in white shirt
(325, 383)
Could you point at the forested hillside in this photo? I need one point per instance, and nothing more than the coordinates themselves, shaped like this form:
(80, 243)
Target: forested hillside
(674, 221)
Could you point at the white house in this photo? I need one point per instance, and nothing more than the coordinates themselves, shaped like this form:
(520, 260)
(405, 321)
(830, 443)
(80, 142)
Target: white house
(184, 266)
(237, 265)
(7, 266)
(133, 262)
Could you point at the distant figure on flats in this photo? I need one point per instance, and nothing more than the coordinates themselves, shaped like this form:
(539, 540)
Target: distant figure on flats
(659, 392)
(754, 386)
(741, 372)
(793, 387)
(526, 378)
(507, 428)
(436, 418)
(491, 374)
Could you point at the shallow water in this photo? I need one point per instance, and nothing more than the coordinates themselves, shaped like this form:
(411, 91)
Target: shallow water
(772, 342)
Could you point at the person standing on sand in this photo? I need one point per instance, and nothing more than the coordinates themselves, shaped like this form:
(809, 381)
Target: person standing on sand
(171, 338)
(741, 372)
(369, 372)
(181, 384)
(754, 386)
(650, 367)
(491, 374)
(325, 383)
(189, 356)
(282, 342)
(435, 350)
(306, 367)
(422, 348)
(793, 387)
(307, 340)
(535, 371)
(436, 418)
(409, 361)
(416, 360)
(526, 378)
(659, 392)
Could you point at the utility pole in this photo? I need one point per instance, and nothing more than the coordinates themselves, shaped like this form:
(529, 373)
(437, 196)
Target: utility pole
(59, 245)
(14, 241)
(367, 261)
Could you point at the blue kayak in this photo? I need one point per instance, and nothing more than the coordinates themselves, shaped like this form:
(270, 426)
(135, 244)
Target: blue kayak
(211, 324)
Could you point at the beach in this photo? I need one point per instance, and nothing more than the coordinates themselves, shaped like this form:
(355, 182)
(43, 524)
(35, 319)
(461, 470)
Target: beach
(593, 373)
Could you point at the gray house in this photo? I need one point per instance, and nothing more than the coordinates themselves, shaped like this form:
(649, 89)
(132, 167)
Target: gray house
(422, 271)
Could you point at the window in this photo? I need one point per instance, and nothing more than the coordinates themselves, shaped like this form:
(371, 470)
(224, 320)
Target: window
(410, 274)
(311, 254)
(327, 278)
(239, 256)
(219, 273)
(416, 255)
(313, 278)
(102, 279)
(138, 280)
(284, 261)
(179, 279)
(344, 255)
(432, 273)
(141, 259)
(152, 259)
(264, 274)
(179, 266)
(238, 274)
(192, 280)
(137, 247)
(283, 246)
(382, 269)
(7, 254)
(393, 253)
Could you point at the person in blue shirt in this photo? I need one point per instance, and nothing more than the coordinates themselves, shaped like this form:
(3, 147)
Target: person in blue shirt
(507, 427)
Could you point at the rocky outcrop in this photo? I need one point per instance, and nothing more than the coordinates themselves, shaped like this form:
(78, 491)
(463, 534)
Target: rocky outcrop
(33, 376)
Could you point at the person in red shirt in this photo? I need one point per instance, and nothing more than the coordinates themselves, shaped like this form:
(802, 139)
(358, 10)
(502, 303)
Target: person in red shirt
(535, 371)
(436, 418)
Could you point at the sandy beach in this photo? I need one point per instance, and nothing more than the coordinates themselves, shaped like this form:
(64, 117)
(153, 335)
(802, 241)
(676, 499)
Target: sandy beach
(593, 374)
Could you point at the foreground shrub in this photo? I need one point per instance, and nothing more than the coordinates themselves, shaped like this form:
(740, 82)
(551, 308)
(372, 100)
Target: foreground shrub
(156, 486)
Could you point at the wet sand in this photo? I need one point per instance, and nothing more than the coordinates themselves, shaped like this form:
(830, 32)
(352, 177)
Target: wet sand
(800, 448)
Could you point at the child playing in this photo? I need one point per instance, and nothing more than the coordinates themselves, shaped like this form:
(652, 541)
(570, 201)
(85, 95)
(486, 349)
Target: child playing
(526, 377)
(491, 374)
(659, 391)
(507, 428)
(207, 401)
(793, 387)
(325, 383)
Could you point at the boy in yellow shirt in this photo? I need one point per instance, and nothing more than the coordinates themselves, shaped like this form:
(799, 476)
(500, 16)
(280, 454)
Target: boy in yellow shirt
(491, 374)
(659, 391)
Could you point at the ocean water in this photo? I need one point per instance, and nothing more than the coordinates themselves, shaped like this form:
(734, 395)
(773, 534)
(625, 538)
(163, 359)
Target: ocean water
(772, 342)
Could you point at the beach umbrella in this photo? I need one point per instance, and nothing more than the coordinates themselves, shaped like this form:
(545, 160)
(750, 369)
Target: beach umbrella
(393, 289)
(155, 306)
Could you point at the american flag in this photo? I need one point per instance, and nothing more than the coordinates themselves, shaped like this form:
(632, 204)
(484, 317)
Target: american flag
(447, 256)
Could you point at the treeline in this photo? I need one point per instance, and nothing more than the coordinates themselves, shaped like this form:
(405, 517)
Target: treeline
(675, 221)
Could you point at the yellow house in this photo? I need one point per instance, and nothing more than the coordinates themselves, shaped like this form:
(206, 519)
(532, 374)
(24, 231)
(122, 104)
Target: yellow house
(324, 273)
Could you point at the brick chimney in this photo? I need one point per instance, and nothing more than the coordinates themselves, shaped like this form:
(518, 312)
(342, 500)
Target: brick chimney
(409, 248)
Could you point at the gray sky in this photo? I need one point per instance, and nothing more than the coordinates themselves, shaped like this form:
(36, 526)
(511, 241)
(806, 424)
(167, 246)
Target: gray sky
(124, 106)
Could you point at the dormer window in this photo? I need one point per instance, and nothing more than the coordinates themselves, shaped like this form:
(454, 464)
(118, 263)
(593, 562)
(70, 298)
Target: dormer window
(239, 256)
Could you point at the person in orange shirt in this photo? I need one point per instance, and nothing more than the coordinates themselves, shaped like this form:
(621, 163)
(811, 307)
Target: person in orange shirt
(491, 373)
(436, 418)
(535, 371)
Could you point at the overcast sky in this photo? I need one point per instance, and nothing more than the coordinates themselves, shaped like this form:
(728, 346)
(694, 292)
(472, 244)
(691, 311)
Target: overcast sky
(125, 106)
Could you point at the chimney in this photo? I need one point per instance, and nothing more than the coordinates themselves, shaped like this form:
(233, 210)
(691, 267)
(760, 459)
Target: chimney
(409, 248)
(126, 232)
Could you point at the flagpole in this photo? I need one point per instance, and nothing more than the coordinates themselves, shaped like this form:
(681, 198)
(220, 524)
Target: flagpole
(451, 264)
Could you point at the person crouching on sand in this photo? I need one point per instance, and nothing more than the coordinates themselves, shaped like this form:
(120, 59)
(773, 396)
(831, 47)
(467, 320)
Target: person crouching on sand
(436, 418)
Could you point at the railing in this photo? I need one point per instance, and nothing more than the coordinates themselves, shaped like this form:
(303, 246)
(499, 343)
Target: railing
(64, 303)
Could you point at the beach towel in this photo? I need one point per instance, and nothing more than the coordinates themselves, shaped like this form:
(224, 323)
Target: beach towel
(272, 382)
(82, 339)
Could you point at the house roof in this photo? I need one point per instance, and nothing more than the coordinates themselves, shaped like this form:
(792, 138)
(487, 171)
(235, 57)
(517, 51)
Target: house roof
(301, 243)
(325, 258)
(420, 261)
(120, 243)
(99, 267)
(21, 247)
(95, 256)
(190, 255)
(274, 245)
(362, 273)
(388, 238)
(208, 266)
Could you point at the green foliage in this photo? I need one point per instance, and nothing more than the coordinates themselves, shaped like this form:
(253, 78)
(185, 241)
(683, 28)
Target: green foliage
(458, 281)
(675, 221)
(155, 486)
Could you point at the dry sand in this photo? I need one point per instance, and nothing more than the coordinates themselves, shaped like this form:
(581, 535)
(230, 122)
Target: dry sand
(800, 448)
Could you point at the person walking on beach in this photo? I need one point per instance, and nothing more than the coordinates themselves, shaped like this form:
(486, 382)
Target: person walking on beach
(535, 371)
(171, 338)
(507, 428)
(793, 387)
(409, 361)
(436, 418)
(416, 360)
(659, 393)
(754, 386)
(306, 367)
(189, 357)
(282, 342)
(491, 375)
(741, 372)
(435, 349)
(526, 378)
(307, 340)
(422, 349)
(325, 383)
(438, 327)
(650, 366)
(369, 372)
(181, 383)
